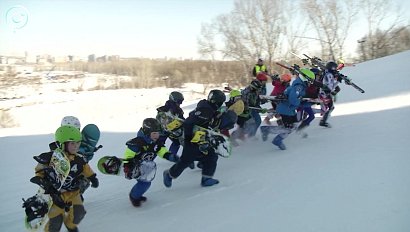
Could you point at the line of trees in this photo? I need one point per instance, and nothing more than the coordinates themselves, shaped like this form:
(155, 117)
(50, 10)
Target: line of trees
(271, 28)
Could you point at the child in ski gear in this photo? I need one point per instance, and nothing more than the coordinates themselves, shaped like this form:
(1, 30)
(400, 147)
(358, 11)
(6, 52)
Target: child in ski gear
(287, 109)
(173, 106)
(250, 95)
(259, 67)
(67, 199)
(85, 150)
(204, 114)
(327, 94)
(139, 158)
(234, 104)
(263, 78)
(312, 92)
(279, 86)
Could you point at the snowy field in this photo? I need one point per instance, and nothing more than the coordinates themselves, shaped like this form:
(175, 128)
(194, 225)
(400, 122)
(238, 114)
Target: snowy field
(354, 177)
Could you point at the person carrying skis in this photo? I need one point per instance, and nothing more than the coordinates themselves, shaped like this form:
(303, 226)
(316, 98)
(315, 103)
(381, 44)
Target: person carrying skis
(312, 92)
(259, 67)
(250, 96)
(139, 158)
(327, 94)
(67, 205)
(287, 108)
(279, 86)
(203, 115)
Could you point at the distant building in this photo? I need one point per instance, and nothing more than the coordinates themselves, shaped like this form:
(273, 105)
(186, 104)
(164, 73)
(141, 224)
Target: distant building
(91, 58)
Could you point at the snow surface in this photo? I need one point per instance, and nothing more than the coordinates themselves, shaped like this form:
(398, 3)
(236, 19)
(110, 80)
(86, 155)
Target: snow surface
(352, 177)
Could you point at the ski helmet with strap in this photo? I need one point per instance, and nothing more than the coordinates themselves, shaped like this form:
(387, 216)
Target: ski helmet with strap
(71, 121)
(235, 93)
(216, 97)
(150, 125)
(256, 84)
(306, 75)
(286, 77)
(331, 66)
(67, 133)
(176, 97)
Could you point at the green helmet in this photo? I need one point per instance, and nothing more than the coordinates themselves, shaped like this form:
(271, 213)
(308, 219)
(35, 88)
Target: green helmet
(67, 133)
(306, 75)
(235, 93)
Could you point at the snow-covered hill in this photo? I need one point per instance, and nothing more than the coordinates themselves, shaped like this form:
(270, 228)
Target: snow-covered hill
(353, 177)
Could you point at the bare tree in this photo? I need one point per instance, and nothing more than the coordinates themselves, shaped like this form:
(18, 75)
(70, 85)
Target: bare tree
(253, 29)
(295, 28)
(383, 22)
(332, 21)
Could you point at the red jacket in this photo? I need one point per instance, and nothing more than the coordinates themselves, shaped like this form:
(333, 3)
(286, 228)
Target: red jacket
(278, 87)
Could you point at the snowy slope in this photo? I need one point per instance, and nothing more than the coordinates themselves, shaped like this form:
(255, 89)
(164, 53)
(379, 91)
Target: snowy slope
(352, 177)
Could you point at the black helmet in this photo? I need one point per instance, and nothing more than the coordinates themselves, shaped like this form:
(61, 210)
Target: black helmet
(331, 66)
(150, 125)
(256, 84)
(216, 97)
(176, 97)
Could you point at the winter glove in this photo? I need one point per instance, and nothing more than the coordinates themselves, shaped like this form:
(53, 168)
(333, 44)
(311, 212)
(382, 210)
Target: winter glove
(263, 110)
(333, 93)
(58, 201)
(94, 181)
(171, 157)
(204, 148)
(128, 170)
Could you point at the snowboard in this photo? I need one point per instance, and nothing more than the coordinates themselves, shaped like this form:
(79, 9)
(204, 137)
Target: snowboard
(37, 207)
(142, 170)
(90, 136)
(219, 142)
(173, 125)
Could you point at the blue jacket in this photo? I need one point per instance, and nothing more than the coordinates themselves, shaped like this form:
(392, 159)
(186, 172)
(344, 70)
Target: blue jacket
(294, 94)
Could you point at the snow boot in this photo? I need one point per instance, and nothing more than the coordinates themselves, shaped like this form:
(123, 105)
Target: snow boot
(208, 181)
(192, 165)
(277, 141)
(167, 179)
(135, 202)
(302, 126)
(199, 165)
(324, 124)
(264, 132)
(72, 230)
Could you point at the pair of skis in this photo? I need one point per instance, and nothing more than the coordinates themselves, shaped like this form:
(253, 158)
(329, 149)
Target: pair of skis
(316, 61)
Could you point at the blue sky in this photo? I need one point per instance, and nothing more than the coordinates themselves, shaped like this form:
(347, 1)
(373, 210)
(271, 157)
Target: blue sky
(129, 28)
(149, 28)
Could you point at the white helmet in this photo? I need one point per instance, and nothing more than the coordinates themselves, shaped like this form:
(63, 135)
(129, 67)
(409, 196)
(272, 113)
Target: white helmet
(71, 121)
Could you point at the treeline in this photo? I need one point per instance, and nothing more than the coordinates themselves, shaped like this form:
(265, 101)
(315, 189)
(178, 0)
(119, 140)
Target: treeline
(148, 73)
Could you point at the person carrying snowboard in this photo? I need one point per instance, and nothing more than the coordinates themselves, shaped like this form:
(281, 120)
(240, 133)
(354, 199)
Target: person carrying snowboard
(67, 205)
(139, 158)
(204, 114)
(172, 106)
(87, 147)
